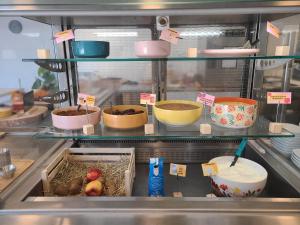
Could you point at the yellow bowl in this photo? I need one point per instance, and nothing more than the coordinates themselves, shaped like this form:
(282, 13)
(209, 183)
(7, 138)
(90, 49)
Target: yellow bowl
(125, 121)
(177, 117)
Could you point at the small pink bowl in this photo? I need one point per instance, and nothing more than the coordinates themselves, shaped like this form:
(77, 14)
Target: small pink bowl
(152, 49)
(75, 122)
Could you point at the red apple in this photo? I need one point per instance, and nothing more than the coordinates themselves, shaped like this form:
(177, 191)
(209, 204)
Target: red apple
(94, 188)
(93, 174)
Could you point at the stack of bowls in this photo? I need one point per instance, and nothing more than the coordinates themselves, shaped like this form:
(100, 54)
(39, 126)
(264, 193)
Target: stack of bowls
(296, 157)
(286, 145)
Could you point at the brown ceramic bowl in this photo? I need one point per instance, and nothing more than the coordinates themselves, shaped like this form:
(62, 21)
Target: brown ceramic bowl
(125, 121)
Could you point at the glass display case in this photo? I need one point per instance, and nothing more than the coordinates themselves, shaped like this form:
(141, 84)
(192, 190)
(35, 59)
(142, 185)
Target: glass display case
(271, 64)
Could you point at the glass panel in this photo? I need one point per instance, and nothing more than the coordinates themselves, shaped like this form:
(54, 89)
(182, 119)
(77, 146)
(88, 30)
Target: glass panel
(163, 132)
(165, 59)
(112, 81)
(281, 75)
(20, 38)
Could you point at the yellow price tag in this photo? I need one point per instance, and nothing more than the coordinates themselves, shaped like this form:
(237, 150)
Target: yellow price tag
(178, 170)
(84, 99)
(209, 169)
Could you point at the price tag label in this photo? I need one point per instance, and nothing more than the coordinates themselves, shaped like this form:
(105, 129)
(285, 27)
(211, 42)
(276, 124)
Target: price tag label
(149, 128)
(272, 29)
(85, 99)
(170, 35)
(283, 98)
(205, 98)
(64, 36)
(178, 170)
(147, 98)
(177, 194)
(209, 169)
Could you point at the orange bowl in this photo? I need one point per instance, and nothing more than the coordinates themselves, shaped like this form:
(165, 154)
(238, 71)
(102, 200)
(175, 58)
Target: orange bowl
(125, 121)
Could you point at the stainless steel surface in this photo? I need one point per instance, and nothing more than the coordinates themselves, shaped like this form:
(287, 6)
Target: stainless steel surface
(27, 147)
(144, 210)
(140, 7)
(159, 218)
(281, 164)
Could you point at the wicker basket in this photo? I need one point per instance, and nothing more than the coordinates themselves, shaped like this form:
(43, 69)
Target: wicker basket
(91, 155)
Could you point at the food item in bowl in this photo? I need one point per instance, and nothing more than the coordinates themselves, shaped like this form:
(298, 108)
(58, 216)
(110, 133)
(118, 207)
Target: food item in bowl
(177, 106)
(152, 49)
(247, 178)
(233, 112)
(177, 112)
(125, 116)
(240, 172)
(74, 112)
(126, 112)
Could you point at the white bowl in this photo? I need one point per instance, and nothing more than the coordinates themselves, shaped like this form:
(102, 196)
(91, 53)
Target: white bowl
(246, 179)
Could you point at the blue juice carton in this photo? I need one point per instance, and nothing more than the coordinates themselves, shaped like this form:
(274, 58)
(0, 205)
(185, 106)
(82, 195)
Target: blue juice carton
(156, 177)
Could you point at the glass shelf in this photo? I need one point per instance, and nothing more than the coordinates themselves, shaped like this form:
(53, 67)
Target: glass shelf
(161, 59)
(168, 133)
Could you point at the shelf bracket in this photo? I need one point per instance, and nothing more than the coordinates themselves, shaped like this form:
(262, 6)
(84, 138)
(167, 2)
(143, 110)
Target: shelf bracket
(266, 64)
(53, 66)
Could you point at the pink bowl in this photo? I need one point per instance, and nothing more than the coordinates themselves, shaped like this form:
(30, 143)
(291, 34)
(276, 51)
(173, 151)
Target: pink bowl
(152, 49)
(75, 122)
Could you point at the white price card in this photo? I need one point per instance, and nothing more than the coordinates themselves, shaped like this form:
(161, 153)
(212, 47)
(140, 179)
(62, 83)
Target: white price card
(205, 98)
(170, 35)
(149, 128)
(85, 99)
(63, 36)
(178, 170)
(147, 99)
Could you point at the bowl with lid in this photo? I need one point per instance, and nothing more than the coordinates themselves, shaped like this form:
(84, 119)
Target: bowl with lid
(246, 179)
(233, 112)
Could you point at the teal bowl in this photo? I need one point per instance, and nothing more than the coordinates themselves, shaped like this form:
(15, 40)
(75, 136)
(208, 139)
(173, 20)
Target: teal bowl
(90, 49)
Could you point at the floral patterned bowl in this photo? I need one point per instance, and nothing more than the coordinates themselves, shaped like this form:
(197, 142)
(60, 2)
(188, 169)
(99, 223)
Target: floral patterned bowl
(246, 179)
(233, 112)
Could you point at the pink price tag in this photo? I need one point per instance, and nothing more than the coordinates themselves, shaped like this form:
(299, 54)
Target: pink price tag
(63, 36)
(147, 98)
(169, 35)
(272, 29)
(205, 98)
(85, 99)
(283, 98)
